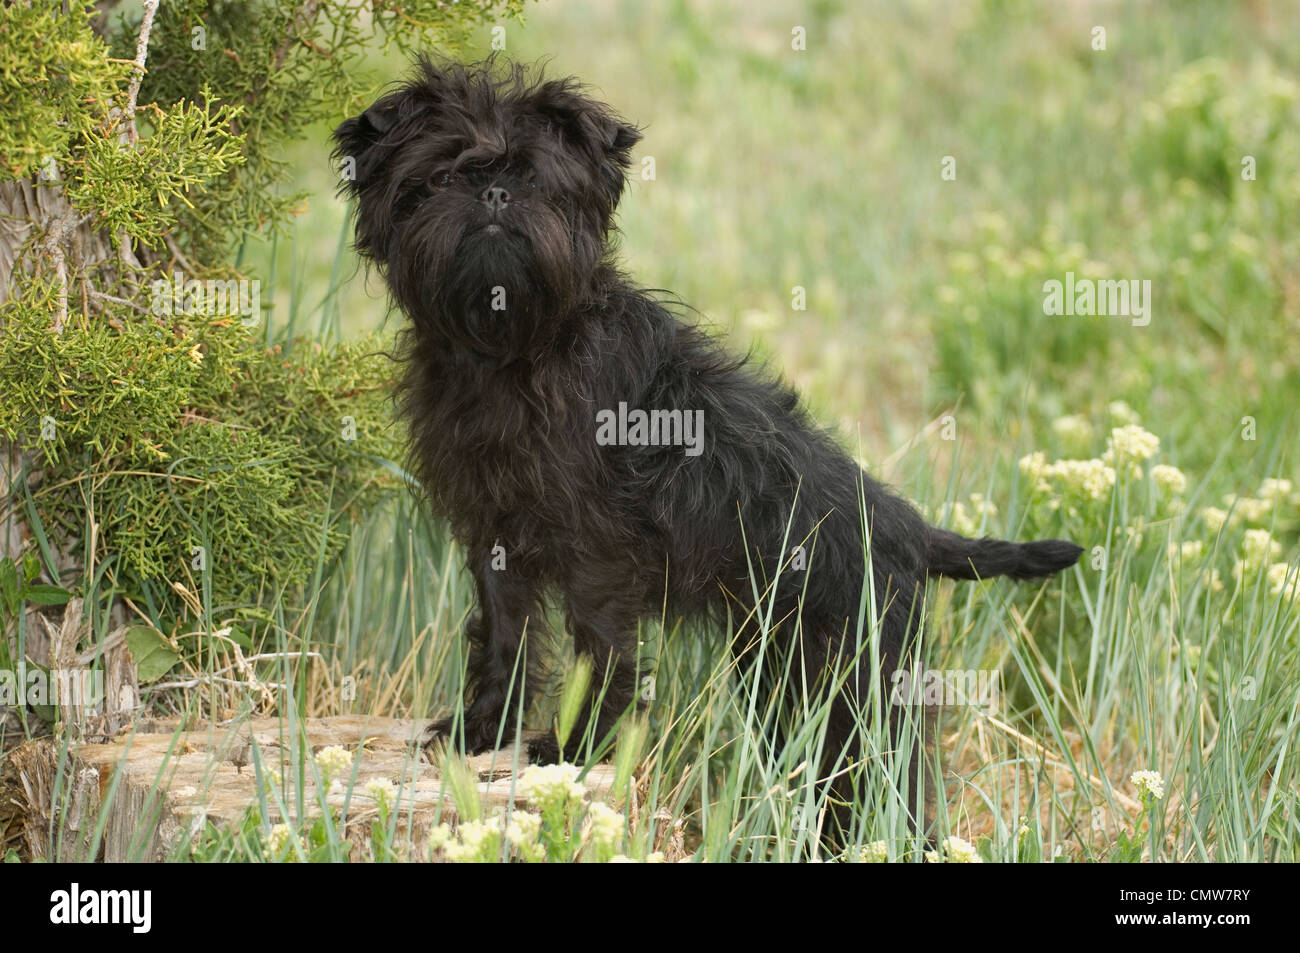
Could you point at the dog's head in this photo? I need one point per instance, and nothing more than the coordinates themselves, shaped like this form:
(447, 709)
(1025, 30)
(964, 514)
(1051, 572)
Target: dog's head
(478, 184)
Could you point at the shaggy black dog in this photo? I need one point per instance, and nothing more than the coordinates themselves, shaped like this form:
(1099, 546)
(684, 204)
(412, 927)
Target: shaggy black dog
(586, 441)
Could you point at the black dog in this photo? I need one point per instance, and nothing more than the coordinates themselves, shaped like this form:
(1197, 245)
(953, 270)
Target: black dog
(583, 439)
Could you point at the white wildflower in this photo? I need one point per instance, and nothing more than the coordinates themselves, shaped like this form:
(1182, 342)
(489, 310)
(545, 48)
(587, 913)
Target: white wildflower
(333, 762)
(1074, 431)
(1170, 479)
(477, 842)
(1283, 581)
(1034, 466)
(1252, 510)
(1093, 478)
(1132, 444)
(1274, 490)
(956, 516)
(1121, 412)
(551, 784)
(959, 851)
(1148, 782)
(954, 850)
(524, 827)
(603, 827)
(1259, 547)
(877, 852)
(279, 838)
(1189, 551)
(383, 792)
(440, 837)
(1214, 518)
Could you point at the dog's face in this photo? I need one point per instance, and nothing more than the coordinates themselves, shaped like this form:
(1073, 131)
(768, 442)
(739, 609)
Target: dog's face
(476, 186)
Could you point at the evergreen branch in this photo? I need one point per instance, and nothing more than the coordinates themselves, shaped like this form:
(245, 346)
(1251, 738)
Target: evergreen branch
(306, 13)
(52, 244)
(141, 52)
(101, 296)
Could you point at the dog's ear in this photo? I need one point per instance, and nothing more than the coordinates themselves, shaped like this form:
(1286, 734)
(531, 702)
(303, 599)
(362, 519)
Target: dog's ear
(355, 139)
(592, 128)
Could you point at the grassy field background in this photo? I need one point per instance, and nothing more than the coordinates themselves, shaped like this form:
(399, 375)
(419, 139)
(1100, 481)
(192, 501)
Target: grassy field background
(1173, 647)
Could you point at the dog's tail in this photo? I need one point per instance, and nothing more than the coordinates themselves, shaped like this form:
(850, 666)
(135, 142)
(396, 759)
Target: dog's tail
(960, 558)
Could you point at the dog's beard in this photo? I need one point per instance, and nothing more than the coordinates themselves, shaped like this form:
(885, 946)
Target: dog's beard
(497, 285)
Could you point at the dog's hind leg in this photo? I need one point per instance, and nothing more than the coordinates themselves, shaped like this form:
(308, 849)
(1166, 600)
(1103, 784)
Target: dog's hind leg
(876, 735)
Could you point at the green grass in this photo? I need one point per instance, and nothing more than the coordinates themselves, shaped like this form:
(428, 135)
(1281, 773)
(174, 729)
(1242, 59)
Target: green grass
(821, 169)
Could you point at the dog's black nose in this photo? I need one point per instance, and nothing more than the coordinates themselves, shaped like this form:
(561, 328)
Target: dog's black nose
(495, 198)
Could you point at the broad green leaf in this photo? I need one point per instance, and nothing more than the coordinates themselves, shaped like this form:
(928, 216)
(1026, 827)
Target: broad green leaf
(47, 595)
(151, 652)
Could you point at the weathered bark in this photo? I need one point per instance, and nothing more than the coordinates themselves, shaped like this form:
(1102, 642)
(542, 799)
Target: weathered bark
(31, 210)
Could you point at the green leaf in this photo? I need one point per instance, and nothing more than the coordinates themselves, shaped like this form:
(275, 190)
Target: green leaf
(46, 713)
(9, 587)
(46, 595)
(572, 698)
(151, 652)
(239, 637)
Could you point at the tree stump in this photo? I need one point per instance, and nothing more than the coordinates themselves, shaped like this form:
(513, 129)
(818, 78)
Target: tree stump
(151, 790)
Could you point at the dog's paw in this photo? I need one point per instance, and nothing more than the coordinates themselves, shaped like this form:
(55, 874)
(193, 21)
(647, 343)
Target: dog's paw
(543, 750)
(478, 736)
(437, 733)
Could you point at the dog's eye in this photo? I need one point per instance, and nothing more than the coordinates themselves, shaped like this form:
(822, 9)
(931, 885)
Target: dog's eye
(441, 180)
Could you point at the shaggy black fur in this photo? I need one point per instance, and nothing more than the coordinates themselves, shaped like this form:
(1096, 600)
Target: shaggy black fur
(485, 199)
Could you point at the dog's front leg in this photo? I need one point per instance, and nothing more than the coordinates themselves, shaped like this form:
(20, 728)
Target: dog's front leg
(503, 669)
(604, 603)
